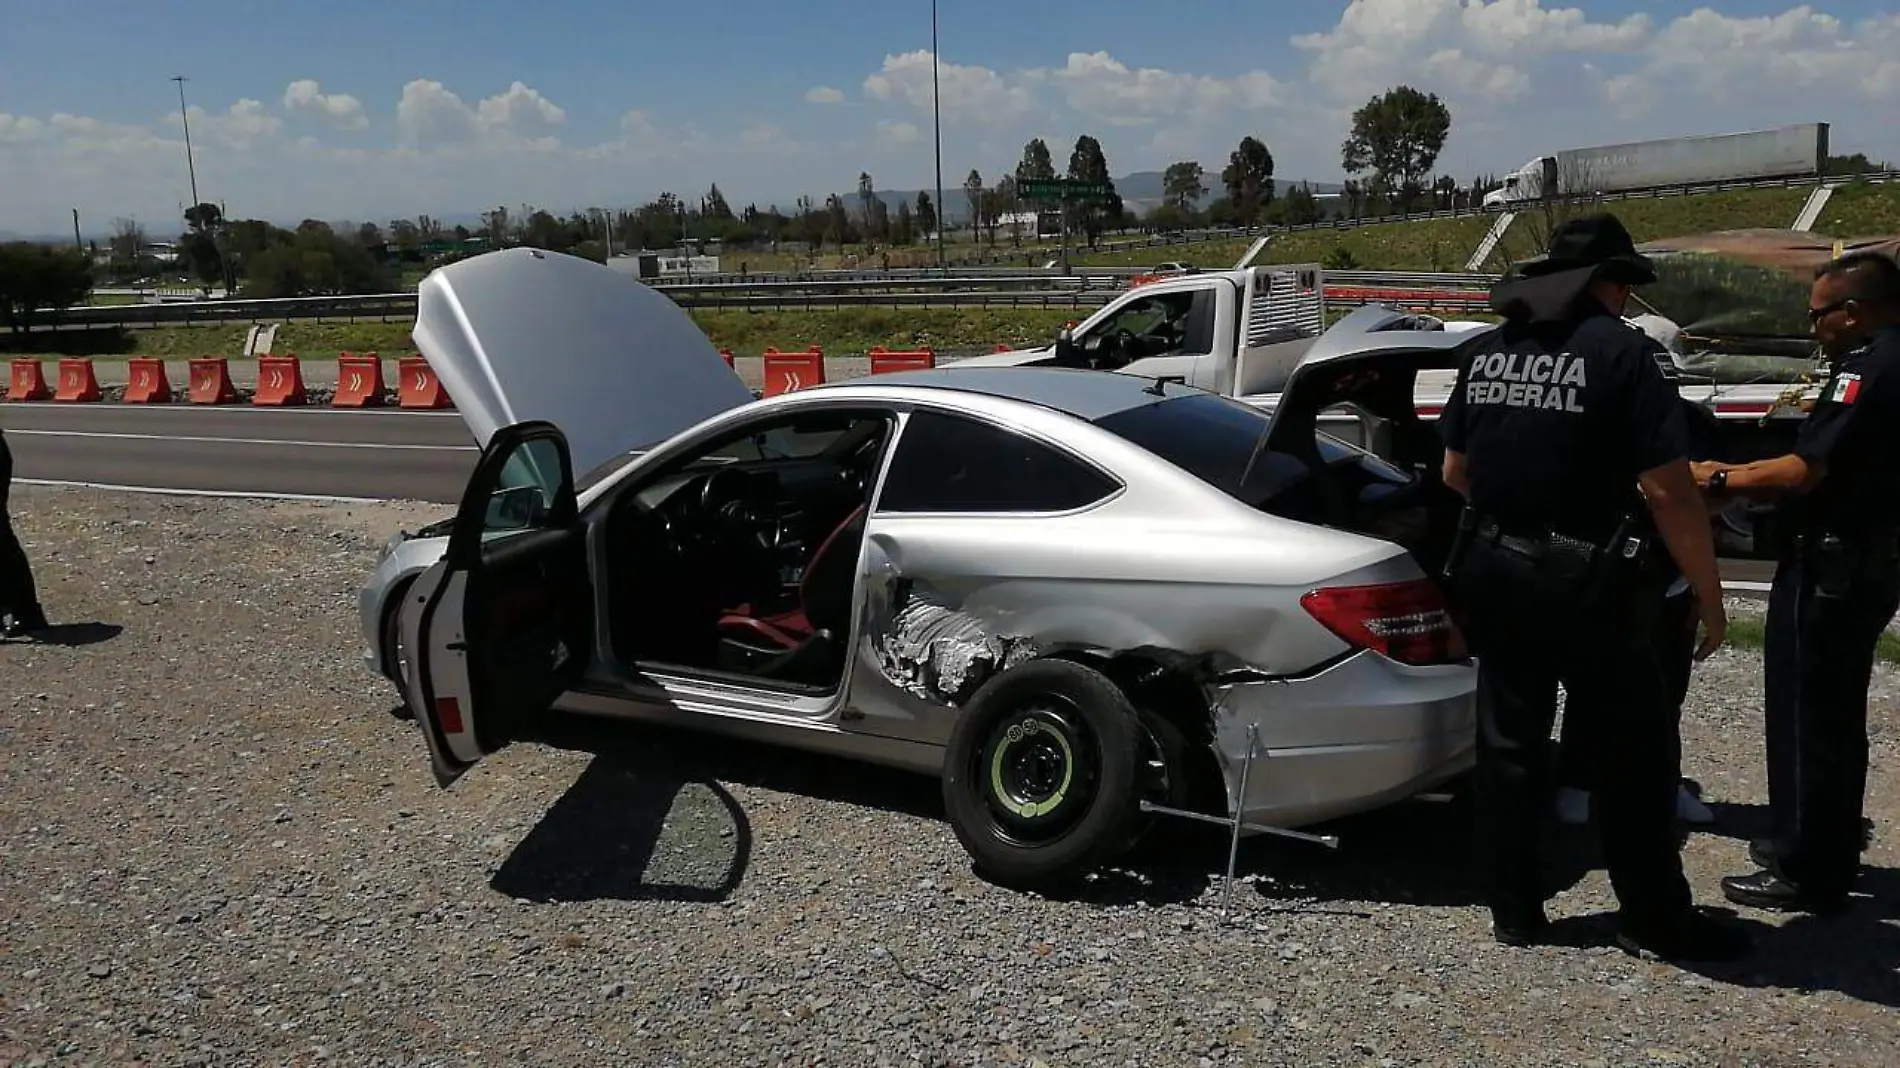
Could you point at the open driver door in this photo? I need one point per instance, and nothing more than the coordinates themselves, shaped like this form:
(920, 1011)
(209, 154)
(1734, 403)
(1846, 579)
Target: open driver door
(503, 624)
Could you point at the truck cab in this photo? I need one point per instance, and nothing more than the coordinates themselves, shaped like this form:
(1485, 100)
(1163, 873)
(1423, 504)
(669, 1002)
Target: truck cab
(1237, 333)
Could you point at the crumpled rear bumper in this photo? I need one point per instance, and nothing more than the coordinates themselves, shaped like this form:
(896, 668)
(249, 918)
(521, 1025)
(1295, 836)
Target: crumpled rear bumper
(1357, 736)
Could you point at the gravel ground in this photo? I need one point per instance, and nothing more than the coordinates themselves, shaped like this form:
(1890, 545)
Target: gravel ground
(220, 849)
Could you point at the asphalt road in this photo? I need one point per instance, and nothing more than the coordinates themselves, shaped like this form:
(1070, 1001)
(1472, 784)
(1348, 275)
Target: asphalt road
(425, 456)
(312, 451)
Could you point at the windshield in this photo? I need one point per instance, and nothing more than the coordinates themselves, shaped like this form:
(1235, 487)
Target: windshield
(1208, 436)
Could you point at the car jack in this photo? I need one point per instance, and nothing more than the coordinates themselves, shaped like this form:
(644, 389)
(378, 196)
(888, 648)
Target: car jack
(1235, 825)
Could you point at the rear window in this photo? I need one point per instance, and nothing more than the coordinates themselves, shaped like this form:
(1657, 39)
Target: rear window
(1209, 436)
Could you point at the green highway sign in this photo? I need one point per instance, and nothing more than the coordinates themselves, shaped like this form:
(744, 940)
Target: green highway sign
(1062, 189)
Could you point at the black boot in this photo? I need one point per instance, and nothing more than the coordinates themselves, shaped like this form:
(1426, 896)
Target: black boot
(26, 621)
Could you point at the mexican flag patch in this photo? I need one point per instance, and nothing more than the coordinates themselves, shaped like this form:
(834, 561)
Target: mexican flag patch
(1846, 388)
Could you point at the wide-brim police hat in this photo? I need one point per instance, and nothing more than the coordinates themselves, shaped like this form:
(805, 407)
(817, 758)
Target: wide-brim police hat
(1595, 246)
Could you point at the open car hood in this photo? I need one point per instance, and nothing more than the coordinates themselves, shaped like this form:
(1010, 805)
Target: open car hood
(521, 334)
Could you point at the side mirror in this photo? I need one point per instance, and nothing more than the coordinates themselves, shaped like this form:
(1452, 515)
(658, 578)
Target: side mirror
(1065, 345)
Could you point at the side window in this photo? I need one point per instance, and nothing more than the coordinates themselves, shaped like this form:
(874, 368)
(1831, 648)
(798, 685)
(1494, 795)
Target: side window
(525, 496)
(946, 463)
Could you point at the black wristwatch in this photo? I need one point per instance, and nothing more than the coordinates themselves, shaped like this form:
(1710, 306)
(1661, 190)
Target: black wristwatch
(1718, 480)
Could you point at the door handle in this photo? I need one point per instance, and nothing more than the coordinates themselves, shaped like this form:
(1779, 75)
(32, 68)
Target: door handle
(457, 647)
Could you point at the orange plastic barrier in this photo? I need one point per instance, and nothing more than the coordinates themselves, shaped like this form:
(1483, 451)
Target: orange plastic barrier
(27, 382)
(146, 382)
(279, 382)
(788, 371)
(210, 381)
(419, 387)
(359, 381)
(884, 361)
(1000, 348)
(77, 384)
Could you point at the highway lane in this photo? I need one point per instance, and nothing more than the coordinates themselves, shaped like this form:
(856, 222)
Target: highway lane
(424, 456)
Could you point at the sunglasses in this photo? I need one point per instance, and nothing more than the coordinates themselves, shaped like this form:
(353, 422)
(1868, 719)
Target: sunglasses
(1815, 315)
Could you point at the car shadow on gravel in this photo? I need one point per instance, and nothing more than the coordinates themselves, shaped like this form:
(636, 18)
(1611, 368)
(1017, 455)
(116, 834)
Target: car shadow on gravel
(641, 823)
(598, 839)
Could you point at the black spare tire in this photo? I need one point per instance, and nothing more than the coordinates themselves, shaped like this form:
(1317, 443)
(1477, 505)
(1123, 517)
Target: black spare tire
(1043, 774)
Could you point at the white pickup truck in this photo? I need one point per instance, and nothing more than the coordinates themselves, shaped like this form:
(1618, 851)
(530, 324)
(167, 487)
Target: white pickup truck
(1241, 333)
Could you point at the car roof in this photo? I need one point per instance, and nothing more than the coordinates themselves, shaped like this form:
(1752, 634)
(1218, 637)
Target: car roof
(1087, 395)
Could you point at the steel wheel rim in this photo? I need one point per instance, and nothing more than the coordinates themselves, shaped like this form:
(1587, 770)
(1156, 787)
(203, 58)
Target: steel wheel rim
(1038, 772)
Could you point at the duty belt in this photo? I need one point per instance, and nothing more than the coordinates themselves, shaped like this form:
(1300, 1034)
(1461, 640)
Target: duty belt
(1537, 545)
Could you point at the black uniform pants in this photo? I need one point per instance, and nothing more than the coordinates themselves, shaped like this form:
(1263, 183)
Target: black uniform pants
(16, 577)
(1529, 630)
(1586, 750)
(1825, 616)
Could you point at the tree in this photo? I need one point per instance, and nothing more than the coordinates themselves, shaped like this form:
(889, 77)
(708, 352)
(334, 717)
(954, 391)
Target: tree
(314, 261)
(906, 232)
(1397, 136)
(36, 278)
(926, 214)
(1248, 179)
(973, 192)
(1005, 203)
(868, 205)
(1301, 206)
(1036, 163)
(1088, 164)
(128, 241)
(1182, 187)
(714, 207)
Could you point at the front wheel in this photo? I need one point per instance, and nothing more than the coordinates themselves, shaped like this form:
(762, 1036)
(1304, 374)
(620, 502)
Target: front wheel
(399, 656)
(1043, 774)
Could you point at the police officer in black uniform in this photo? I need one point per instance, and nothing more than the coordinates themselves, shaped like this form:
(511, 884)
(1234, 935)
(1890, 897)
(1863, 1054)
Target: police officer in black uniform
(1836, 587)
(19, 604)
(1561, 431)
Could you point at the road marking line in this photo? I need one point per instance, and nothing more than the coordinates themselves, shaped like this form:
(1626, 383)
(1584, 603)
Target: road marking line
(1748, 587)
(167, 491)
(234, 409)
(239, 441)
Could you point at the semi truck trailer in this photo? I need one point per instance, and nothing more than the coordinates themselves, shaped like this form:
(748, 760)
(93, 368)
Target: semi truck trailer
(1798, 151)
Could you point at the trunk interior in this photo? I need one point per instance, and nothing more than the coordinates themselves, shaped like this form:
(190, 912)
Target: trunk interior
(1349, 451)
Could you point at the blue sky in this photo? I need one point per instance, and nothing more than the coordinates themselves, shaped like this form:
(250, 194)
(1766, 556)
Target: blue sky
(357, 110)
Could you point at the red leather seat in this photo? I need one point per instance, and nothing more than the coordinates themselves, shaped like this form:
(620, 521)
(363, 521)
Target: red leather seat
(824, 594)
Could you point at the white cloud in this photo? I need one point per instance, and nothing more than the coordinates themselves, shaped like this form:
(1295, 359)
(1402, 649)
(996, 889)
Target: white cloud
(1099, 86)
(429, 113)
(19, 127)
(824, 94)
(967, 91)
(890, 134)
(339, 110)
(240, 126)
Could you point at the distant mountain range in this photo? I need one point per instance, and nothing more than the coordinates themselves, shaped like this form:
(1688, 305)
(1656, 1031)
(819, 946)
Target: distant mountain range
(1140, 191)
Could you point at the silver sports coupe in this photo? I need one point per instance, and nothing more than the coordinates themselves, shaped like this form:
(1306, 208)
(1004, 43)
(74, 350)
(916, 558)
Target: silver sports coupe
(1065, 593)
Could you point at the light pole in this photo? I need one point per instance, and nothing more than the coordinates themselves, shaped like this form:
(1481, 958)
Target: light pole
(936, 108)
(185, 117)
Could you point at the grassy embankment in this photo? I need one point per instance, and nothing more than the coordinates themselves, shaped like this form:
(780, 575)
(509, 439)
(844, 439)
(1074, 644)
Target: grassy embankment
(843, 331)
(1445, 244)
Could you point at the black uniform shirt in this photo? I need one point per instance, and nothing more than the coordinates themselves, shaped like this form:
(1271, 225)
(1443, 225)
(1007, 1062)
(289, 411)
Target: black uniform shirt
(1855, 430)
(1557, 420)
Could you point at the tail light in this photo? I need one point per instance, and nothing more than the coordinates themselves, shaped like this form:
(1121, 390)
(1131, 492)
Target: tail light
(1406, 621)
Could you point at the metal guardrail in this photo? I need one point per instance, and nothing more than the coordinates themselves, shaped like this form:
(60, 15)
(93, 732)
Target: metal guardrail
(1022, 291)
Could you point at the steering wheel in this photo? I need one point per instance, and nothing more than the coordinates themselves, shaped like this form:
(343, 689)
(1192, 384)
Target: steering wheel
(727, 504)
